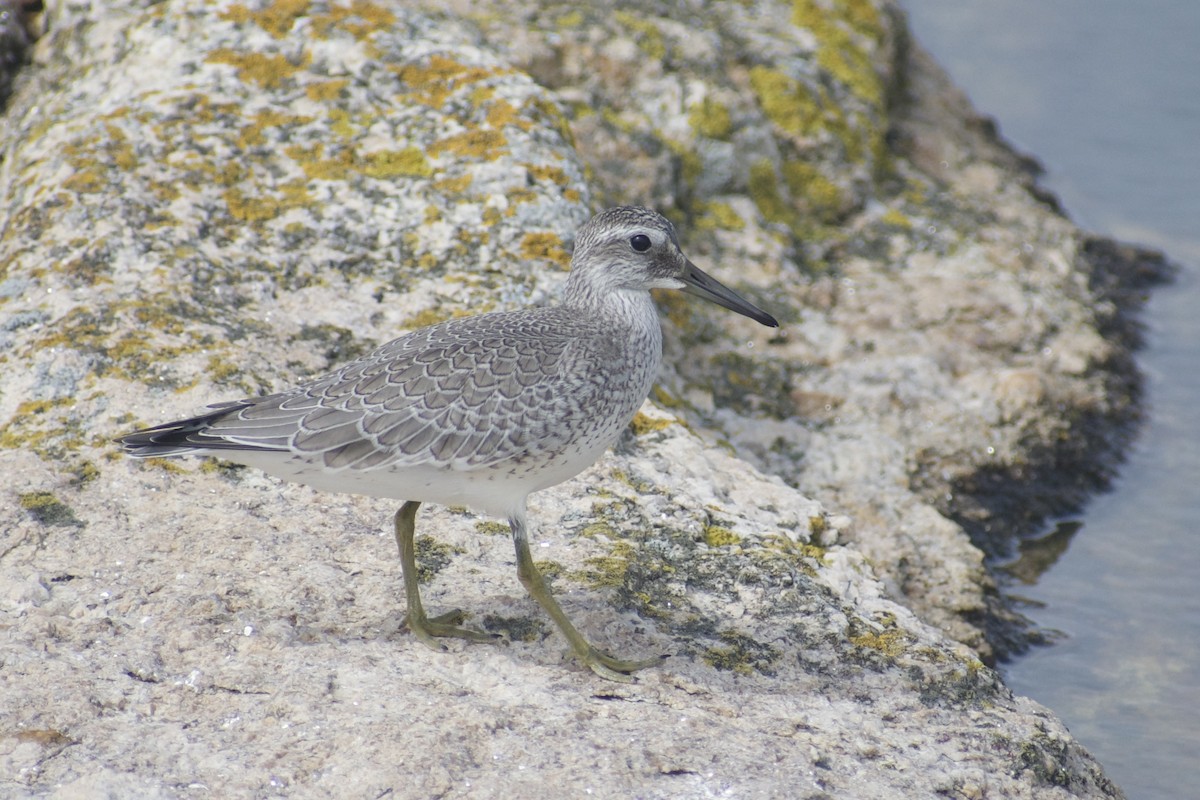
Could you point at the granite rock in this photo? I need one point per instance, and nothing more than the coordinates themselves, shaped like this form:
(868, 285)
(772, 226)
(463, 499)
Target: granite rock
(206, 201)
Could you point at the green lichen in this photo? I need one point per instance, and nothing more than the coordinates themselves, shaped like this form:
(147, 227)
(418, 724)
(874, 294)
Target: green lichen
(785, 101)
(338, 344)
(884, 637)
(492, 528)
(225, 469)
(648, 37)
(84, 473)
(972, 685)
(741, 654)
(46, 427)
(821, 196)
(843, 32)
(639, 485)
(817, 524)
(1046, 757)
(599, 529)
(715, 215)
(719, 536)
(317, 166)
(896, 219)
(48, 509)
(516, 629)
(753, 385)
(608, 571)
(571, 19)
(764, 191)
(432, 557)
(664, 398)
(501, 113)
(691, 166)
(712, 119)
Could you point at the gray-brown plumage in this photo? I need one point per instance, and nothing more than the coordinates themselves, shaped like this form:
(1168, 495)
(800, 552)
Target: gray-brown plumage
(479, 411)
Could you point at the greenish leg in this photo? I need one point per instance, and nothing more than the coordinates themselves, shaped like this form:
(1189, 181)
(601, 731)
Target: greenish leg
(426, 629)
(598, 662)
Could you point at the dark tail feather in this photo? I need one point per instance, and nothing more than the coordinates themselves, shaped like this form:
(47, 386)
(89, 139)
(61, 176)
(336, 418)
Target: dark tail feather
(183, 437)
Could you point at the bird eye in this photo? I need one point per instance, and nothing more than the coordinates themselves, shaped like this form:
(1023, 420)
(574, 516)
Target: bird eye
(641, 242)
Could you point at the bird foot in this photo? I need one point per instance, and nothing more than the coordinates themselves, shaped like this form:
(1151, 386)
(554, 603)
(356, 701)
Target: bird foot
(429, 629)
(615, 669)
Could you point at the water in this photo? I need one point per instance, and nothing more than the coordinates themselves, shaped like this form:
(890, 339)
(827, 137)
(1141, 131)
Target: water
(1107, 96)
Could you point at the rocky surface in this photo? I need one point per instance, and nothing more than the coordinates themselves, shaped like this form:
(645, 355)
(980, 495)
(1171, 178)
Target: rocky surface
(206, 201)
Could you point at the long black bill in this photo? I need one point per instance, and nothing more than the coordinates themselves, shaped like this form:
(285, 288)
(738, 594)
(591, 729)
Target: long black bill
(701, 284)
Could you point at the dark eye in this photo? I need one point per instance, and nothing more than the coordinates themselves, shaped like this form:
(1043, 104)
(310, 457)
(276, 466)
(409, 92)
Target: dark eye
(641, 242)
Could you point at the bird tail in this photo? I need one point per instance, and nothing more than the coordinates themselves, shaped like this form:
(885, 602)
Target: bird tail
(182, 437)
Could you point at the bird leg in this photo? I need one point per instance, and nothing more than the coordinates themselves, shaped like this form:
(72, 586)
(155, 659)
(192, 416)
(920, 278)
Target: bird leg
(598, 662)
(426, 629)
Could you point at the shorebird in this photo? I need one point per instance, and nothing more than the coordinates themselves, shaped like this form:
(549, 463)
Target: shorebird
(478, 411)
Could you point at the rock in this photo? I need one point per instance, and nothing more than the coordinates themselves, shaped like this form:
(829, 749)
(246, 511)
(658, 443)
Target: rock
(204, 202)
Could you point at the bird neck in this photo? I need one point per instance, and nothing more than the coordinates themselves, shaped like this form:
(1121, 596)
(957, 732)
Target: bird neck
(625, 307)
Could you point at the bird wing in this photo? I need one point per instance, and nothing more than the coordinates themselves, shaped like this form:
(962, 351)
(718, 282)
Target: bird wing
(464, 394)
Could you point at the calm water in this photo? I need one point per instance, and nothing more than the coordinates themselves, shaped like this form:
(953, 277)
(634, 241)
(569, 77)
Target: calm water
(1107, 96)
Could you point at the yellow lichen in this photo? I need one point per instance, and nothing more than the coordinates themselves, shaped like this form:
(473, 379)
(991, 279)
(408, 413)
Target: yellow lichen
(547, 173)
(546, 246)
(409, 162)
(643, 424)
(325, 91)
(264, 207)
(85, 181)
(432, 83)
(453, 186)
(360, 19)
(276, 19)
(483, 145)
(268, 71)
(502, 112)
(253, 134)
(316, 166)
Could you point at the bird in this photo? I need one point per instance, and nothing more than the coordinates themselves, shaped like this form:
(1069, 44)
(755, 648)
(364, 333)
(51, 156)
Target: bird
(477, 411)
